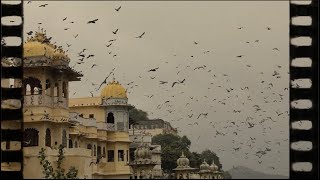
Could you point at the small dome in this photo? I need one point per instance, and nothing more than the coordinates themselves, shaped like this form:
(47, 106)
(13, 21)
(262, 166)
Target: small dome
(214, 167)
(143, 152)
(114, 90)
(40, 45)
(204, 166)
(183, 161)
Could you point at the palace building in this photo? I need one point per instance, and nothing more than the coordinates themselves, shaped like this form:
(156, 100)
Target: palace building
(93, 130)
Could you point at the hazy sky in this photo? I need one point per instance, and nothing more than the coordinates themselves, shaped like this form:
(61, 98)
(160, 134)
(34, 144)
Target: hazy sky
(168, 44)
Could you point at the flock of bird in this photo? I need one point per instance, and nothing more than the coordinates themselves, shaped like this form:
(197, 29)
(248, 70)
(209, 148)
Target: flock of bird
(241, 95)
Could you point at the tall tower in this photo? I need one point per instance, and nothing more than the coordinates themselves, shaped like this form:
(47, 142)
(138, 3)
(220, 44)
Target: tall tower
(45, 86)
(114, 98)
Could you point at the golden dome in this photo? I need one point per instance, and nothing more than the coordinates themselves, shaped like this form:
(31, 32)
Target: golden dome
(114, 90)
(40, 45)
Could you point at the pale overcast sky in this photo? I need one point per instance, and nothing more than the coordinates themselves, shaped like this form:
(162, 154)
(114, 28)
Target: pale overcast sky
(222, 31)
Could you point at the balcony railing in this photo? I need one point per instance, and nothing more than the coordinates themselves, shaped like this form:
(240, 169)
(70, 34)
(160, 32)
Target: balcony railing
(44, 100)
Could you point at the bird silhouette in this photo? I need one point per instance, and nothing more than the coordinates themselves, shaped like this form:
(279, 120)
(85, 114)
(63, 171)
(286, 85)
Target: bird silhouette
(92, 21)
(154, 69)
(115, 32)
(141, 35)
(64, 19)
(117, 9)
(30, 32)
(109, 45)
(43, 5)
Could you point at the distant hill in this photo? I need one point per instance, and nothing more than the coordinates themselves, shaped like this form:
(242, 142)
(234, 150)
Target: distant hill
(241, 172)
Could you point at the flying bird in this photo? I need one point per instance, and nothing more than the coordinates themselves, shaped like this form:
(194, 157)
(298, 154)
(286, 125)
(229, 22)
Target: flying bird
(75, 36)
(117, 9)
(92, 21)
(109, 45)
(153, 69)
(64, 19)
(30, 32)
(115, 32)
(43, 5)
(141, 35)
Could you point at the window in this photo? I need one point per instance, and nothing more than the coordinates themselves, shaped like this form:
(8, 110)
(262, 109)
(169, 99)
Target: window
(76, 144)
(64, 138)
(31, 137)
(104, 152)
(89, 146)
(94, 150)
(56, 90)
(110, 118)
(70, 144)
(110, 155)
(8, 145)
(48, 87)
(127, 155)
(48, 138)
(64, 90)
(99, 152)
(91, 115)
(120, 155)
(81, 115)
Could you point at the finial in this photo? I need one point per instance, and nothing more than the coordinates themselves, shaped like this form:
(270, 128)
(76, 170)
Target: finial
(182, 154)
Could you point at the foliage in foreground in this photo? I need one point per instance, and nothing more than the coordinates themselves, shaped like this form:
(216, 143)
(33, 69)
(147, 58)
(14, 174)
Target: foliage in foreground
(59, 173)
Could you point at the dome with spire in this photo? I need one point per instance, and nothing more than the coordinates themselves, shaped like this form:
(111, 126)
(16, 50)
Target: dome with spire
(183, 161)
(204, 166)
(214, 167)
(114, 90)
(143, 152)
(40, 45)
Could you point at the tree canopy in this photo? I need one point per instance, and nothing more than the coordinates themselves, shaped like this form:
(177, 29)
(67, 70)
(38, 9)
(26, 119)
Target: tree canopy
(138, 114)
(172, 146)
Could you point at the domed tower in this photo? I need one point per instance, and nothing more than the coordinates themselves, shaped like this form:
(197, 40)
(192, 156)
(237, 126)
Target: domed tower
(183, 169)
(114, 98)
(46, 93)
(143, 165)
(205, 171)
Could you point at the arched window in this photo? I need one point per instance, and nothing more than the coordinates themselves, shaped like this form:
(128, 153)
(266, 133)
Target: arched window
(76, 144)
(64, 90)
(70, 143)
(89, 146)
(31, 137)
(110, 118)
(48, 138)
(94, 150)
(64, 138)
(31, 84)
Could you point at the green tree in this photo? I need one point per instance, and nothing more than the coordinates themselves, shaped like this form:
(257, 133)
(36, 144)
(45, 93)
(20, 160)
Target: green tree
(172, 146)
(59, 173)
(138, 114)
(210, 156)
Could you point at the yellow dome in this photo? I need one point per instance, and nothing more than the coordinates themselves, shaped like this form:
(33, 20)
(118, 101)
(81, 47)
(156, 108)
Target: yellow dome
(40, 45)
(114, 90)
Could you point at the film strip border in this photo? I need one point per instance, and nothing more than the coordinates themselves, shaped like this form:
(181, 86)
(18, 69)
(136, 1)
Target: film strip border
(304, 163)
(11, 116)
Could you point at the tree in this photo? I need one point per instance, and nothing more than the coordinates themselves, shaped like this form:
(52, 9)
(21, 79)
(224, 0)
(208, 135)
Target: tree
(172, 146)
(59, 173)
(138, 114)
(210, 156)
